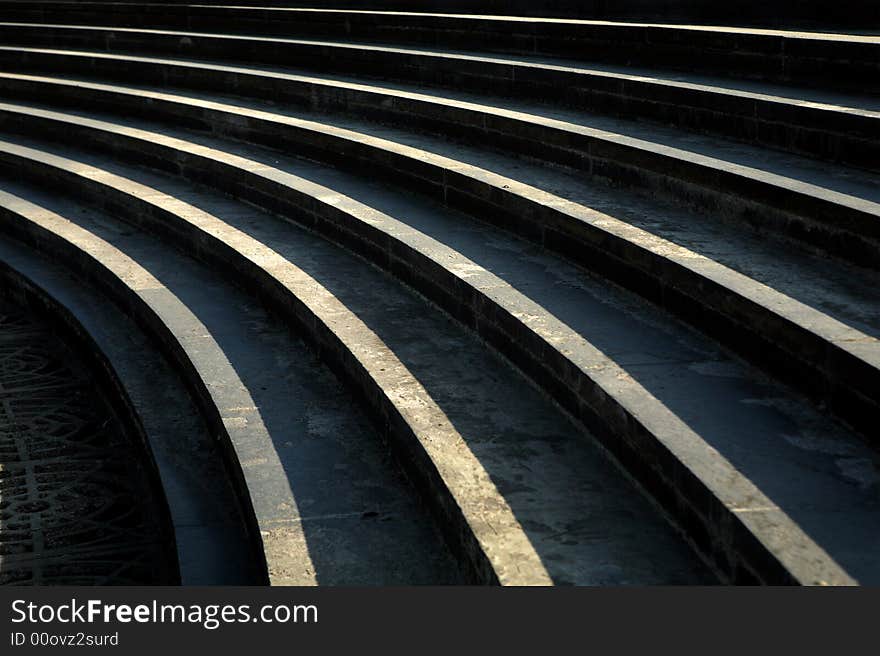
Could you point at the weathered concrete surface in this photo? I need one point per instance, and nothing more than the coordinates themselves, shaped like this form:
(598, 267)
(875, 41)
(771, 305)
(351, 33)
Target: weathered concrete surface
(543, 507)
(716, 492)
(212, 544)
(810, 349)
(757, 480)
(259, 385)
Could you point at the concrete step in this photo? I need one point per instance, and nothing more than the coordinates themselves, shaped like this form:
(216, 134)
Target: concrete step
(835, 209)
(290, 431)
(802, 336)
(557, 475)
(213, 547)
(656, 444)
(842, 218)
(829, 126)
(809, 14)
(466, 29)
(463, 217)
(842, 62)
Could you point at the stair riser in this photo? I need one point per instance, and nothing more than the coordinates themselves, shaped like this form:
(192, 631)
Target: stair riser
(849, 138)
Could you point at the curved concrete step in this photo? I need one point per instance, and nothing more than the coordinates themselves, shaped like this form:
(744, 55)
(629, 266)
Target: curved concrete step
(764, 486)
(832, 360)
(555, 479)
(643, 423)
(828, 126)
(212, 547)
(853, 14)
(837, 212)
(812, 59)
(252, 386)
(781, 116)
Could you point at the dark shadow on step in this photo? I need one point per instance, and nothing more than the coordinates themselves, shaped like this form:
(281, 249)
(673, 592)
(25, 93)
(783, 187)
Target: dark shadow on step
(818, 472)
(339, 491)
(821, 474)
(79, 504)
(585, 521)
